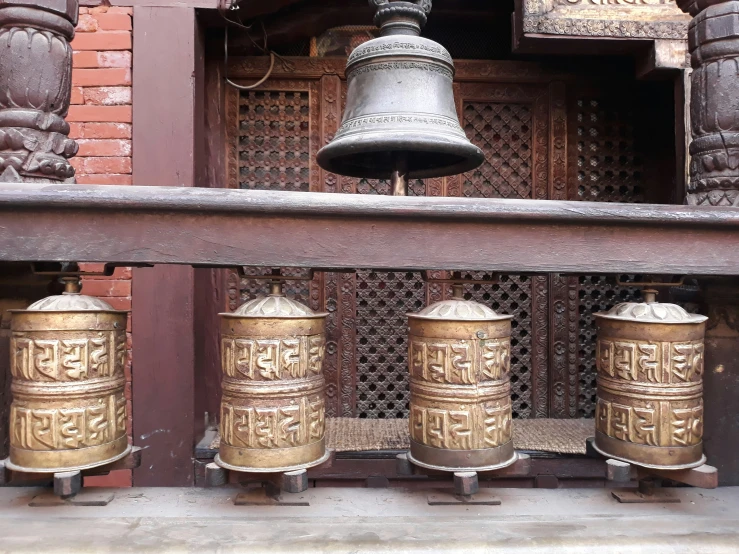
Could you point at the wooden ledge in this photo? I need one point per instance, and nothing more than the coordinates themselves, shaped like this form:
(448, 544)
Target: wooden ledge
(221, 228)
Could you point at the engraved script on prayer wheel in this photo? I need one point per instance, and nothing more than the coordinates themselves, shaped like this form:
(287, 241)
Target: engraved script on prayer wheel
(400, 119)
(69, 409)
(273, 405)
(650, 384)
(460, 403)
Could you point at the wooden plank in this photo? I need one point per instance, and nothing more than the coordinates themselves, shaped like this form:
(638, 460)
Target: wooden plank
(163, 356)
(163, 225)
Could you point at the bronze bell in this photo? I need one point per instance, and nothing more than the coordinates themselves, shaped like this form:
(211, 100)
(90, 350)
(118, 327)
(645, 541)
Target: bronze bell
(69, 408)
(650, 384)
(273, 405)
(460, 404)
(400, 120)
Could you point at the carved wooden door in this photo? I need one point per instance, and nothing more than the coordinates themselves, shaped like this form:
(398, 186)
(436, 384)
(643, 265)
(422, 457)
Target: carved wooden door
(542, 139)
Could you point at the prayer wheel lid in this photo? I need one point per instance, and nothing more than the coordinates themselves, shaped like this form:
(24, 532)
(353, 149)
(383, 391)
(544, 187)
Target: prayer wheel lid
(276, 305)
(70, 302)
(458, 309)
(651, 311)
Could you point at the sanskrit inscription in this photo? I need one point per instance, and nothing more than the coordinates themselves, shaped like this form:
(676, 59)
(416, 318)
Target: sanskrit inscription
(644, 425)
(67, 428)
(651, 362)
(442, 361)
(272, 359)
(285, 426)
(68, 359)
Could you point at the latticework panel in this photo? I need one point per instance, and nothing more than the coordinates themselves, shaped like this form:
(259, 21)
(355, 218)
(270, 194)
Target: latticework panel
(608, 170)
(274, 149)
(297, 290)
(383, 299)
(416, 187)
(503, 132)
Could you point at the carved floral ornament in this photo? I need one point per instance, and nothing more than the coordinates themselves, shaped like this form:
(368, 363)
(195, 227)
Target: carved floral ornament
(35, 96)
(649, 19)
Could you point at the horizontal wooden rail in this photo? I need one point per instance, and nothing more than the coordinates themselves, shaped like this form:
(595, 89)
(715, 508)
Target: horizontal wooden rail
(220, 227)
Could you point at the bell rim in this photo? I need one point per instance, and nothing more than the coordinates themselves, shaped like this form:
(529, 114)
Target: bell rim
(473, 156)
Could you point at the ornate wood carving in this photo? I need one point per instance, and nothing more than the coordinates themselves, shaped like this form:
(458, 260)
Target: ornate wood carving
(628, 19)
(714, 167)
(35, 89)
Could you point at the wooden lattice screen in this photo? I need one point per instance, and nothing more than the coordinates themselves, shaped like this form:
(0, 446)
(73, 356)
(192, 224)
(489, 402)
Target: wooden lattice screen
(542, 139)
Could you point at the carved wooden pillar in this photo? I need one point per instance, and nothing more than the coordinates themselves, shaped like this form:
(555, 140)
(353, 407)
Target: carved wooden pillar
(35, 88)
(714, 181)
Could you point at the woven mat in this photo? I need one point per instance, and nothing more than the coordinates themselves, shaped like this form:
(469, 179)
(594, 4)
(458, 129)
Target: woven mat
(348, 434)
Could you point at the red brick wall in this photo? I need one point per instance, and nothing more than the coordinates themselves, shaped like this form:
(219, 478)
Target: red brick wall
(100, 120)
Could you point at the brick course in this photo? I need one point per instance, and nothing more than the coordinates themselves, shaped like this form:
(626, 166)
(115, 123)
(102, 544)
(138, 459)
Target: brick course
(100, 121)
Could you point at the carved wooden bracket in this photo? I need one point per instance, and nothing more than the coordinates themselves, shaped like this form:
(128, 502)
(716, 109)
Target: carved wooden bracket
(35, 89)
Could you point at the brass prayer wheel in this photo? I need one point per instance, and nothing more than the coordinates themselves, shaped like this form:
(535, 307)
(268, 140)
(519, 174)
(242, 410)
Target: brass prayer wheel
(273, 405)
(650, 384)
(69, 408)
(460, 401)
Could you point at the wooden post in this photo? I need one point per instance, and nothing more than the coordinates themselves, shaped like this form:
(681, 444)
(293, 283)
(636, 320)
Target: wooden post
(35, 90)
(166, 130)
(714, 181)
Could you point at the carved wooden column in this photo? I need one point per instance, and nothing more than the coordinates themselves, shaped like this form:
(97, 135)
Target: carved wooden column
(714, 181)
(35, 88)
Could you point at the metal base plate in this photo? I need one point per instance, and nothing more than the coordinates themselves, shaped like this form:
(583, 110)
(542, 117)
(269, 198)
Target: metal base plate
(259, 497)
(241, 469)
(86, 497)
(482, 498)
(501, 465)
(700, 462)
(11, 466)
(633, 496)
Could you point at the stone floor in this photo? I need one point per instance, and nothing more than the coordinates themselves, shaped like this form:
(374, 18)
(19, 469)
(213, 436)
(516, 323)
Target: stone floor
(373, 520)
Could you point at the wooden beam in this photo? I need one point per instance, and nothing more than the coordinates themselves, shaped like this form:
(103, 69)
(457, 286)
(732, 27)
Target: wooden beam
(166, 63)
(207, 227)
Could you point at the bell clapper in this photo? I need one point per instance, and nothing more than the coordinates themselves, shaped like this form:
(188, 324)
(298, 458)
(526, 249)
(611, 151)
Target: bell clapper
(399, 176)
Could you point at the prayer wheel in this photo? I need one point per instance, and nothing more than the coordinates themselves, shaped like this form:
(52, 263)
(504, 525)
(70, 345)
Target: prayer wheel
(460, 403)
(273, 405)
(650, 384)
(69, 408)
